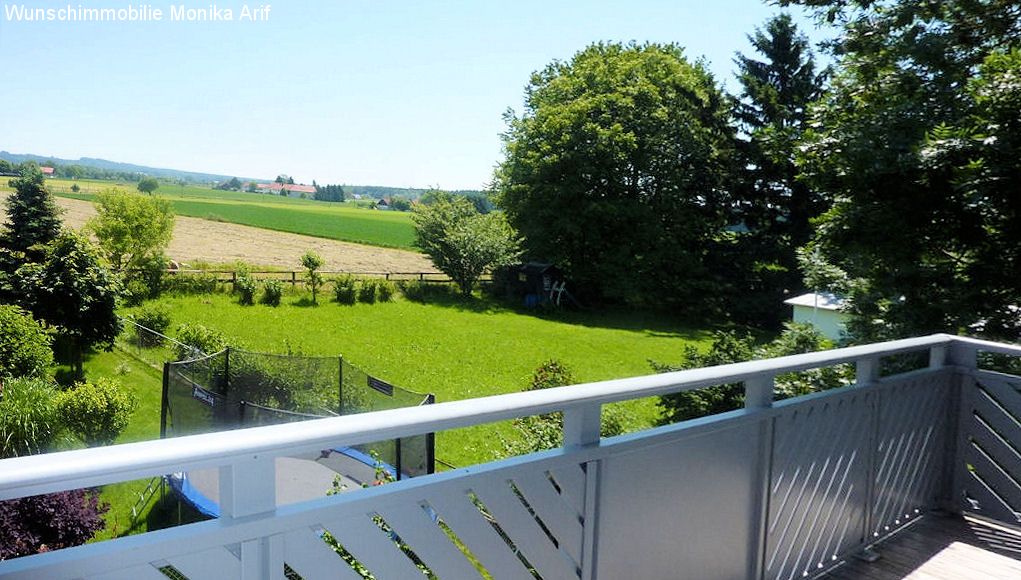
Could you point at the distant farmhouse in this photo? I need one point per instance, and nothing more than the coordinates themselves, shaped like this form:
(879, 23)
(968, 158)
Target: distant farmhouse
(823, 311)
(47, 171)
(289, 187)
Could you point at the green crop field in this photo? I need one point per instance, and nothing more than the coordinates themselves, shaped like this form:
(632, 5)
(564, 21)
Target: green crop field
(455, 350)
(336, 221)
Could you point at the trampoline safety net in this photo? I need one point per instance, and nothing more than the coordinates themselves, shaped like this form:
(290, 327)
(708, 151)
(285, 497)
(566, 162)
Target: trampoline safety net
(233, 389)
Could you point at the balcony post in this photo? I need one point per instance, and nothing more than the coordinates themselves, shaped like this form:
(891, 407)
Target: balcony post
(581, 426)
(964, 357)
(758, 394)
(248, 487)
(866, 373)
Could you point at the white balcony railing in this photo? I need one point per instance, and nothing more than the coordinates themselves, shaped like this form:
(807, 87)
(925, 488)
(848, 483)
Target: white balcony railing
(775, 490)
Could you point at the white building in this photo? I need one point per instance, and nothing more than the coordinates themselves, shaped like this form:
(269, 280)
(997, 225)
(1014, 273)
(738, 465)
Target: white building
(823, 311)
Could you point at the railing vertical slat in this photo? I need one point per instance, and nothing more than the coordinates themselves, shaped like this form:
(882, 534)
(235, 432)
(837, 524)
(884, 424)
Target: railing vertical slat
(590, 536)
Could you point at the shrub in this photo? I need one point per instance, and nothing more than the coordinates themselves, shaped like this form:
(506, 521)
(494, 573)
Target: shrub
(345, 289)
(367, 291)
(541, 432)
(155, 318)
(24, 344)
(385, 290)
(312, 262)
(198, 340)
(96, 412)
(272, 292)
(419, 291)
(190, 283)
(28, 417)
(49, 522)
(244, 284)
(135, 292)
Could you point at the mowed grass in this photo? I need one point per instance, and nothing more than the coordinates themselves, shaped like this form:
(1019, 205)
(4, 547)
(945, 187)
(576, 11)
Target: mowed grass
(454, 350)
(335, 221)
(145, 383)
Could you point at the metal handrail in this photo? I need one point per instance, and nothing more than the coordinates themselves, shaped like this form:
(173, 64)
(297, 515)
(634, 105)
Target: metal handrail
(88, 467)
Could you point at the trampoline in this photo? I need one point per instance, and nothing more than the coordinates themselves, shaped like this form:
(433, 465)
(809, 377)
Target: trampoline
(297, 478)
(237, 389)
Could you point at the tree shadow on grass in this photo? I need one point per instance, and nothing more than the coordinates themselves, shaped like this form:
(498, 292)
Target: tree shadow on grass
(650, 322)
(306, 302)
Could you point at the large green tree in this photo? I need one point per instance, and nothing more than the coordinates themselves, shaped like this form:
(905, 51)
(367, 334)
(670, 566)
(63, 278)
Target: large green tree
(461, 242)
(924, 222)
(778, 83)
(132, 229)
(616, 171)
(148, 184)
(33, 218)
(74, 291)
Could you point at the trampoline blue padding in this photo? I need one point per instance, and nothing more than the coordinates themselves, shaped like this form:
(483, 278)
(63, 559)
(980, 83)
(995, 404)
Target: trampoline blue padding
(297, 478)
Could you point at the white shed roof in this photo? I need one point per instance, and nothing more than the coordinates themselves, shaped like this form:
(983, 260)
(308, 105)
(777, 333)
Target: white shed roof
(821, 300)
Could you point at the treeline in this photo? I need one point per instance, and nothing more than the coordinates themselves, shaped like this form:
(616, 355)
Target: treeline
(68, 171)
(93, 168)
(329, 192)
(890, 178)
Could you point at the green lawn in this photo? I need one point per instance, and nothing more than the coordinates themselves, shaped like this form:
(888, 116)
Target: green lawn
(145, 383)
(456, 350)
(336, 221)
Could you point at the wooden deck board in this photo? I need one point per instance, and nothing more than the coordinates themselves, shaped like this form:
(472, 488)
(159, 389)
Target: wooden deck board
(941, 548)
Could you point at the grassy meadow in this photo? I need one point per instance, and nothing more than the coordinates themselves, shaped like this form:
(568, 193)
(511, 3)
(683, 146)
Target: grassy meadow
(335, 221)
(453, 349)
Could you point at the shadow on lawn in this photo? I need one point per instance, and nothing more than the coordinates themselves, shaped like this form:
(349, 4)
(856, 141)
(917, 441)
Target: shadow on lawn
(649, 322)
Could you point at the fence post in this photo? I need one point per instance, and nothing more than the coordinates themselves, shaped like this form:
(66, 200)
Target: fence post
(294, 278)
(758, 394)
(340, 385)
(164, 400)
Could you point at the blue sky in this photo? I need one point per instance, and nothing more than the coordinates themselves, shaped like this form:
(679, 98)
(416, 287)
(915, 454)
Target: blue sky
(384, 92)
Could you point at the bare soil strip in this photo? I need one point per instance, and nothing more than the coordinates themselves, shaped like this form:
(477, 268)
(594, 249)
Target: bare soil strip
(218, 243)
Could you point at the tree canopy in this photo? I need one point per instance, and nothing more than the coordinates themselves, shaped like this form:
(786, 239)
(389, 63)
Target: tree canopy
(616, 169)
(33, 218)
(461, 242)
(132, 229)
(148, 184)
(778, 84)
(917, 141)
(75, 292)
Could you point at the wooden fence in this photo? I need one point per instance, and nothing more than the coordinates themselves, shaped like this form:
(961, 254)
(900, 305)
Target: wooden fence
(294, 277)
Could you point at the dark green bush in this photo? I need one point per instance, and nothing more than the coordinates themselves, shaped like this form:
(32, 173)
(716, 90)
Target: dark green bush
(29, 423)
(245, 287)
(190, 284)
(96, 412)
(345, 289)
(368, 291)
(419, 291)
(198, 340)
(272, 292)
(24, 344)
(156, 318)
(385, 290)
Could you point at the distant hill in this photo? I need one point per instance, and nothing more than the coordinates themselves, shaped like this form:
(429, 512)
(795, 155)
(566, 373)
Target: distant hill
(117, 170)
(118, 167)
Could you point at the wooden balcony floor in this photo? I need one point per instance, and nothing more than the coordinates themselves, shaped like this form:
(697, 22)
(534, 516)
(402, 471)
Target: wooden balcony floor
(943, 548)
